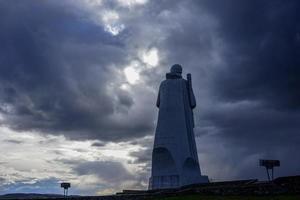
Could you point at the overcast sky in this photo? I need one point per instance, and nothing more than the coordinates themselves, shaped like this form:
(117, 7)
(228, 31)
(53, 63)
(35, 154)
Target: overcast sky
(79, 80)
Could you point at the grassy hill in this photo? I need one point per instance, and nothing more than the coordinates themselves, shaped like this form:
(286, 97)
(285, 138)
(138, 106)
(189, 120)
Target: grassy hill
(201, 197)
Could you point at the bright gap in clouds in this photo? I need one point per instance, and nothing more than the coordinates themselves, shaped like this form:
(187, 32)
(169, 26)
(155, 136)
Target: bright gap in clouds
(130, 3)
(131, 75)
(111, 22)
(151, 57)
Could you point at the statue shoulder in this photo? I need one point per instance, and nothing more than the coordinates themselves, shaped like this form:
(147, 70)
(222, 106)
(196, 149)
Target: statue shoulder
(164, 82)
(172, 81)
(184, 81)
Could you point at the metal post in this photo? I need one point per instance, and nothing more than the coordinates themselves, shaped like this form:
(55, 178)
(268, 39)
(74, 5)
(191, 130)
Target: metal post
(268, 173)
(269, 165)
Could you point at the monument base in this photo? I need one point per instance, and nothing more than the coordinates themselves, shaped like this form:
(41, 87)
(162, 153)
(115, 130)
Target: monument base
(203, 179)
(172, 181)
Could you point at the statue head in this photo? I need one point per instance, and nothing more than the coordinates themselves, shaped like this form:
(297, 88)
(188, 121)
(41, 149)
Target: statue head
(176, 69)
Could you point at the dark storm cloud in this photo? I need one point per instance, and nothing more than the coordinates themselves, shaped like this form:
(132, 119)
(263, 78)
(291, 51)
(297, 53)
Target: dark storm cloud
(263, 51)
(261, 64)
(55, 68)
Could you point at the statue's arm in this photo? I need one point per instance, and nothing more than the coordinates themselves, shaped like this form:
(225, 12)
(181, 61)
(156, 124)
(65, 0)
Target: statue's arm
(190, 91)
(158, 99)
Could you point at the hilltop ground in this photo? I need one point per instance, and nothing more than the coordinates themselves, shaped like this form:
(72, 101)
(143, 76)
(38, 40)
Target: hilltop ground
(201, 197)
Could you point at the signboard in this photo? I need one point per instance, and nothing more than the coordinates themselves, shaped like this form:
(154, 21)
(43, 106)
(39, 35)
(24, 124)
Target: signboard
(65, 185)
(269, 163)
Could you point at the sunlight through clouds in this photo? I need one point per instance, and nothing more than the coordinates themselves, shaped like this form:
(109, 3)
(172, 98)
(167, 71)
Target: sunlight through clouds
(102, 16)
(151, 57)
(131, 74)
(130, 3)
(111, 22)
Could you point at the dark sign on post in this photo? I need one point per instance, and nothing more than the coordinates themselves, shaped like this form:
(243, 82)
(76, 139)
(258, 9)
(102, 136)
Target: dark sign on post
(66, 186)
(269, 165)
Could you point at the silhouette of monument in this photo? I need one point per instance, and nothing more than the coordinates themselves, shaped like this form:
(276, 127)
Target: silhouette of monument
(174, 157)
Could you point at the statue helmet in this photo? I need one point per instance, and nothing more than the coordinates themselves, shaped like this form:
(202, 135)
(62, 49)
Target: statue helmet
(176, 69)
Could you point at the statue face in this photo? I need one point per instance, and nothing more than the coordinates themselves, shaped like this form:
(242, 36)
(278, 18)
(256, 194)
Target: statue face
(176, 69)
